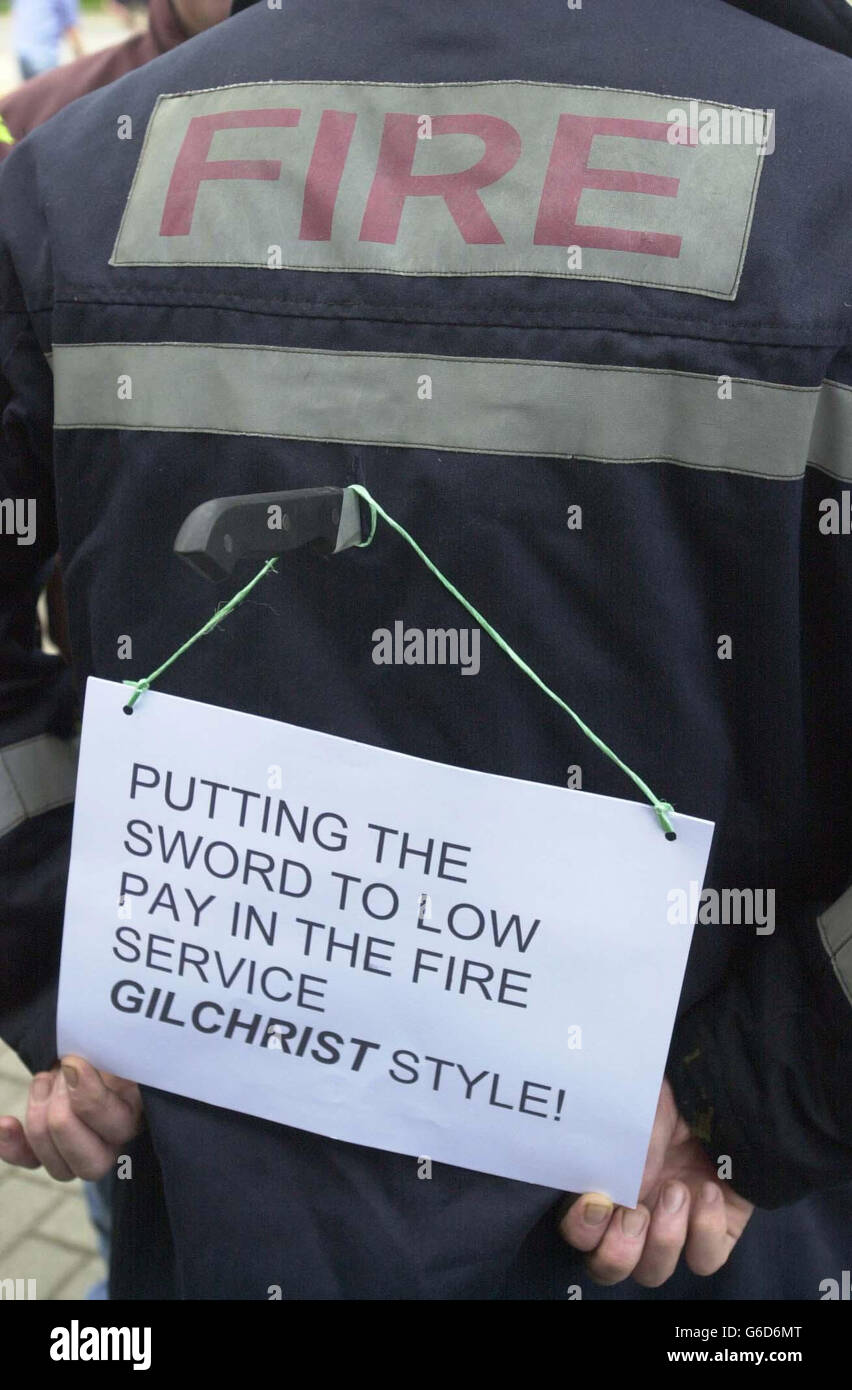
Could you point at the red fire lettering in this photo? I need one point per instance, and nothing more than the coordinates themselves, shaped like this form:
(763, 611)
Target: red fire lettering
(334, 137)
(192, 166)
(568, 174)
(394, 181)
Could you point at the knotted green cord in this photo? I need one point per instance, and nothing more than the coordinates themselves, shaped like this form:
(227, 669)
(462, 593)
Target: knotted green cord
(662, 809)
(147, 681)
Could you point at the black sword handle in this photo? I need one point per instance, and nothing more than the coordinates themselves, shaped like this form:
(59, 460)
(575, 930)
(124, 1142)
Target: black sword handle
(219, 533)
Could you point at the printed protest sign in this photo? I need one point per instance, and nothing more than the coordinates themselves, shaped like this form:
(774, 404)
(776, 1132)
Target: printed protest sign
(370, 946)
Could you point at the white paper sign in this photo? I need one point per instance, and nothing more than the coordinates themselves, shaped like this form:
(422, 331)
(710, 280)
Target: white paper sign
(369, 946)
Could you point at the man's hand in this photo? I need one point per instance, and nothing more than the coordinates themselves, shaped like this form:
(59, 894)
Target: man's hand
(78, 1121)
(682, 1207)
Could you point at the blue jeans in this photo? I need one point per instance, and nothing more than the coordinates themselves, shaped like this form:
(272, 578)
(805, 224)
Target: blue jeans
(99, 1199)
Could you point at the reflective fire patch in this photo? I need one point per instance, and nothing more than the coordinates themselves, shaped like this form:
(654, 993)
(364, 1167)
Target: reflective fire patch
(484, 178)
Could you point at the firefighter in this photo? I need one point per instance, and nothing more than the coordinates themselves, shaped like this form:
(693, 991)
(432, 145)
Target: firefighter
(593, 348)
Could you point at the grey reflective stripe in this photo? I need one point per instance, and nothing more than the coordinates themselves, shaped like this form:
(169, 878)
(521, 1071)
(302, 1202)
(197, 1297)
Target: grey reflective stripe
(479, 405)
(36, 775)
(835, 927)
(831, 440)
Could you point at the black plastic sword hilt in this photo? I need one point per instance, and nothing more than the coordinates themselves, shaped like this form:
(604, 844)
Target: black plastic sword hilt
(219, 533)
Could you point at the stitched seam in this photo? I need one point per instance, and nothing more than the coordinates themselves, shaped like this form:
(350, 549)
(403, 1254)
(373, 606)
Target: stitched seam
(433, 447)
(673, 327)
(746, 236)
(505, 271)
(423, 86)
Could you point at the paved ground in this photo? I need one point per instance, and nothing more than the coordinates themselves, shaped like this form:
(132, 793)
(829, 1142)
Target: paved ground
(45, 1232)
(98, 30)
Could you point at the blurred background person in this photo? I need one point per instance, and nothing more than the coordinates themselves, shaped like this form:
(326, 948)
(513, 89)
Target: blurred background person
(38, 27)
(170, 22)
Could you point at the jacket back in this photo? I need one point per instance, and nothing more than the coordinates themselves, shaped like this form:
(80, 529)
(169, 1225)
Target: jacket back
(456, 253)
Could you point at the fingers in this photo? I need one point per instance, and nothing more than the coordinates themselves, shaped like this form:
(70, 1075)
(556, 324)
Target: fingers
(709, 1244)
(666, 1235)
(621, 1248)
(38, 1127)
(586, 1220)
(14, 1147)
(107, 1105)
(128, 1090)
(76, 1122)
(620, 1241)
(82, 1150)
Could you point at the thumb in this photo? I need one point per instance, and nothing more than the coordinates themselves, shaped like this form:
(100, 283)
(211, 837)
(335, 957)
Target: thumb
(13, 1144)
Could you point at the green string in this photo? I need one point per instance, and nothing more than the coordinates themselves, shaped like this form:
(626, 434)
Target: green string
(218, 616)
(662, 809)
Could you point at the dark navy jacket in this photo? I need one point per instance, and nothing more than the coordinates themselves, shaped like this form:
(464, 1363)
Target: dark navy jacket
(687, 382)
